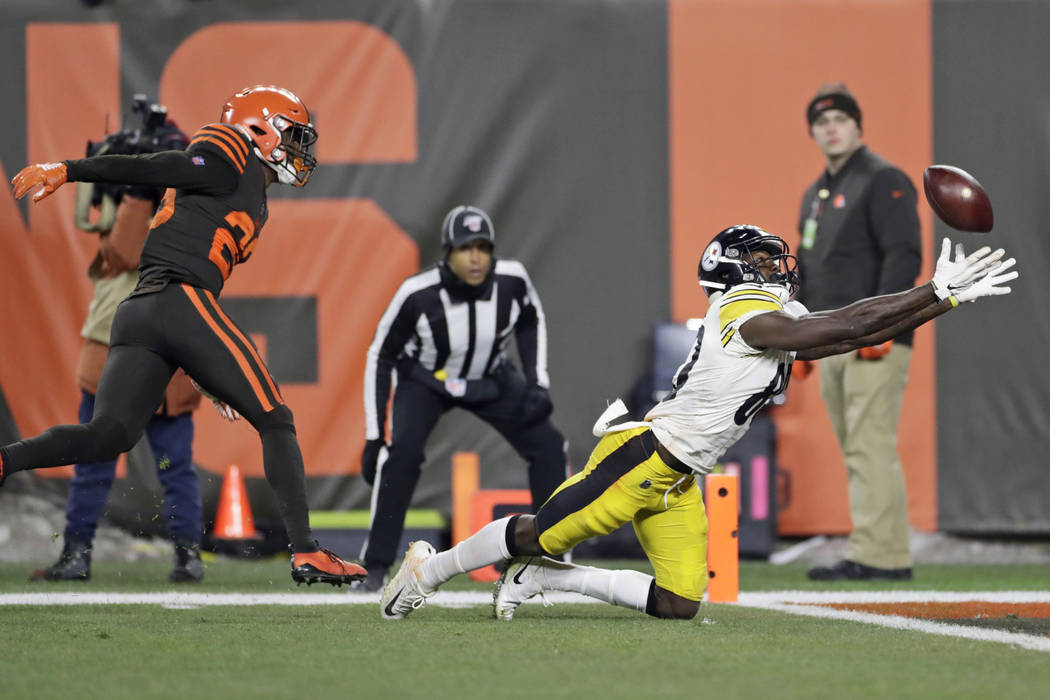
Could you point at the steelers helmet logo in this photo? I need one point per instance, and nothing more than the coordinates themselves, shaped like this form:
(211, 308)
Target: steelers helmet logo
(709, 261)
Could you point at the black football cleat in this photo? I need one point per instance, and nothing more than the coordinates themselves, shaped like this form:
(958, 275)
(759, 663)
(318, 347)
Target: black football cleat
(74, 564)
(378, 575)
(323, 566)
(847, 570)
(188, 567)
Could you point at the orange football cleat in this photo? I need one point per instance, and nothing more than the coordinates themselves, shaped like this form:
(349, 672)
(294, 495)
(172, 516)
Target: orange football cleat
(323, 566)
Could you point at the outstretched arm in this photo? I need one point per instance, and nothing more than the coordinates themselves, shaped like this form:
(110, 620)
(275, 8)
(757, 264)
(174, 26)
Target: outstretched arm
(846, 327)
(876, 319)
(915, 320)
(179, 169)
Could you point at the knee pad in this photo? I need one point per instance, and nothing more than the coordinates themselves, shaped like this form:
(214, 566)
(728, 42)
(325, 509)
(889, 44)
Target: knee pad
(279, 418)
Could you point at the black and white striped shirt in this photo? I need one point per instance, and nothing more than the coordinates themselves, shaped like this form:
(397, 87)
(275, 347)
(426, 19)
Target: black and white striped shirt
(467, 338)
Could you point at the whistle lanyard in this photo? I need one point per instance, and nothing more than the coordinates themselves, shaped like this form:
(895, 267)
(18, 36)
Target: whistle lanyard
(816, 208)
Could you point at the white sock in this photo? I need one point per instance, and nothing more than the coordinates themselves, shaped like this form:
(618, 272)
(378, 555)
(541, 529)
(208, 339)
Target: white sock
(486, 546)
(624, 587)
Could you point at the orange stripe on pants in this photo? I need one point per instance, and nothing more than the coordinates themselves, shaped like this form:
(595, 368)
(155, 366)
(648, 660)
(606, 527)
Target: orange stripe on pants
(242, 361)
(251, 348)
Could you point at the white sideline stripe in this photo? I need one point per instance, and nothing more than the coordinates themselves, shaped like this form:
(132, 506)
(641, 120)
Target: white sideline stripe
(467, 598)
(786, 556)
(793, 602)
(825, 598)
(444, 599)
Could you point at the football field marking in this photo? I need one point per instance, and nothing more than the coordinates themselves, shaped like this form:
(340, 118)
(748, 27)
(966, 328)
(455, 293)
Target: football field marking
(177, 600)
(810, 604)
(806, 603)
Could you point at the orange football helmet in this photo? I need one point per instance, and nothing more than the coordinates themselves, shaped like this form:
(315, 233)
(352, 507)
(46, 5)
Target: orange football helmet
(278, 123)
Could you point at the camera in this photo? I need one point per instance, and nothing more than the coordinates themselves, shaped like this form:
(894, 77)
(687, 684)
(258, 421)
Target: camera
(153, 133)
(149, 131)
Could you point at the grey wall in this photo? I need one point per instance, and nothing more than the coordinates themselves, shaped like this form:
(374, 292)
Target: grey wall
(992, 118)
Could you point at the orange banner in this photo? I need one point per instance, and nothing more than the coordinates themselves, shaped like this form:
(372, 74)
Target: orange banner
(348, 254)
(741, 74)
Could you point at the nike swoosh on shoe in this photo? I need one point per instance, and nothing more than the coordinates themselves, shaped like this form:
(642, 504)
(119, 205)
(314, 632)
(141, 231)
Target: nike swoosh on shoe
(390, 605)
(519, 572)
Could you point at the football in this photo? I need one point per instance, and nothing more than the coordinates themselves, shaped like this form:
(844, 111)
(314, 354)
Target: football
(957, 198)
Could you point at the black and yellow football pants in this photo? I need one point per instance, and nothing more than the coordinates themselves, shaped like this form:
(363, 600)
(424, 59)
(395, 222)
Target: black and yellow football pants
(626, 480)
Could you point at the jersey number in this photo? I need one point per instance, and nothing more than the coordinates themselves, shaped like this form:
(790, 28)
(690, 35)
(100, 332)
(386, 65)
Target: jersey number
(678, 381)
(756, 401)
(227, 248)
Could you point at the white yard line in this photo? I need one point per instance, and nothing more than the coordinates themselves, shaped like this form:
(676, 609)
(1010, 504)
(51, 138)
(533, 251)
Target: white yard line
(806, 603)
(445, 599)
(826, 598)
(809, 603)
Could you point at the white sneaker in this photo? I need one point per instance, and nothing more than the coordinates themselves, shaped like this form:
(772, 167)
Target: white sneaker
(404, 593)
(518, 582)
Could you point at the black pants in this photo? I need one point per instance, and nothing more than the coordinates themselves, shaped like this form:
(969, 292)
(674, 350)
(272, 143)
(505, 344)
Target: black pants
(153, 334)
(416, 411)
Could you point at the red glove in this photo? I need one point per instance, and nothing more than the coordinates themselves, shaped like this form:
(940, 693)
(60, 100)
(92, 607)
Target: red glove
(875, 352)
(48, 176)
(802, 368)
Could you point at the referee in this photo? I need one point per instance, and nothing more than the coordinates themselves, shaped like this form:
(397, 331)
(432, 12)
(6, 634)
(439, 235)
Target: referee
(444, 337)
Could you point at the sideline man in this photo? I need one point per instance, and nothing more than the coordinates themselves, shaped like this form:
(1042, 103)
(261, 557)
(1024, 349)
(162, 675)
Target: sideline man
(860, 238)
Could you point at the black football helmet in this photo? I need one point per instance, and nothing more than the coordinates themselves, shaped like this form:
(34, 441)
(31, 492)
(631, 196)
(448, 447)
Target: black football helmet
(723, 265)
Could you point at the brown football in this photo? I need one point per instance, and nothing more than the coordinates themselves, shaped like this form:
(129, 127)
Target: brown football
(958, 199)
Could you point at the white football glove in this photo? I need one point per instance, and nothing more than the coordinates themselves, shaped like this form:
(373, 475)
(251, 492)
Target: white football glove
(224, 409)
(990, 284)
(952, 276)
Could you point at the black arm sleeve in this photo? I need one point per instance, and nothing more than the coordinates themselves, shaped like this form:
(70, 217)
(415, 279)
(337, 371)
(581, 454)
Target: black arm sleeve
(395, 329)
(526, 334)
(165, 169)
(895, 224)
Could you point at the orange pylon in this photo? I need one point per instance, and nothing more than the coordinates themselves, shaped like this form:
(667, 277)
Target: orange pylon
(723, 551)
(233, 517)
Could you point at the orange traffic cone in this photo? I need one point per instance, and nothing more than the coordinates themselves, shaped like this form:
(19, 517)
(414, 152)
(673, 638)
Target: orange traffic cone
(233, 517)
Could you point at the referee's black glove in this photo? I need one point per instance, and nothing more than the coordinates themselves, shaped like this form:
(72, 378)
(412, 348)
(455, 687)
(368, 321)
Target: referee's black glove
(536, 405)
(370, 459)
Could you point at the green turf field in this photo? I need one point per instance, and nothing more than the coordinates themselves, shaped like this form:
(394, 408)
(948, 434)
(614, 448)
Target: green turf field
(577, 651)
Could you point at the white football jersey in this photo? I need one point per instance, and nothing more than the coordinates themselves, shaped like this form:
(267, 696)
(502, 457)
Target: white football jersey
(724, 381)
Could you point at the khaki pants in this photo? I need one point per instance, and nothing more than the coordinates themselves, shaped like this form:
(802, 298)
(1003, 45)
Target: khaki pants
(864, 401)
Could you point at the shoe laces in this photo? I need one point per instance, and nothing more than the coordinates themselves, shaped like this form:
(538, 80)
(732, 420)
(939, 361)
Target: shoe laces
(334, 558)
(330, 554)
